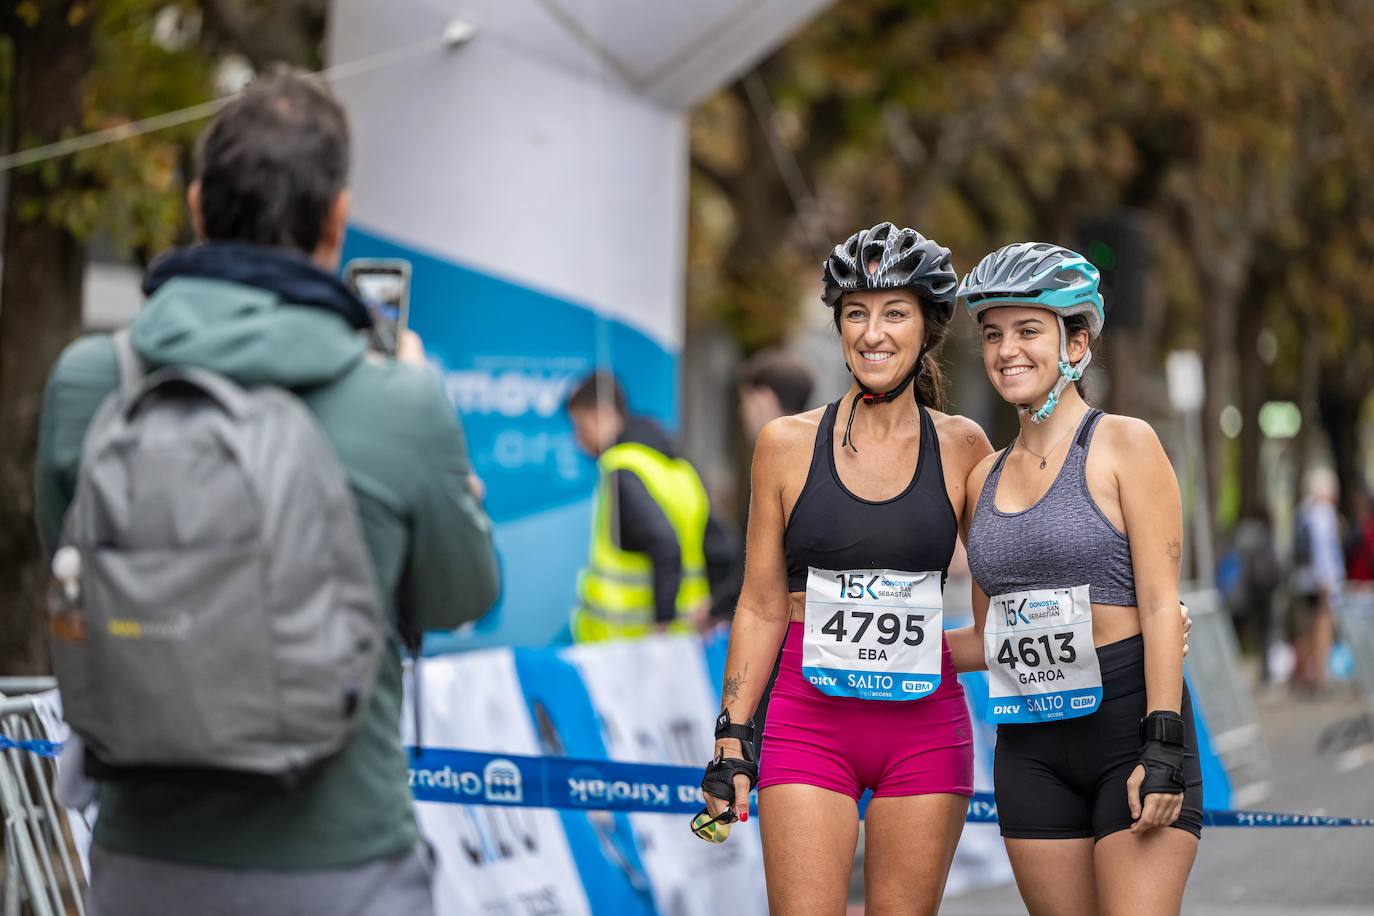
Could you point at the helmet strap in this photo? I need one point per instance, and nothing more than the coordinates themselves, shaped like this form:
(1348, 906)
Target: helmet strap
(868, 396)
(1068, 373)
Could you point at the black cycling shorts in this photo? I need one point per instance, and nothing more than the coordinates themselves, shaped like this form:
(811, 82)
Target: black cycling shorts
(1067, 779)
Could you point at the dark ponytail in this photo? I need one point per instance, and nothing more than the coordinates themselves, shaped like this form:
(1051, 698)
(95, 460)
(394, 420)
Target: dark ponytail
(930, 383)
(930, 380)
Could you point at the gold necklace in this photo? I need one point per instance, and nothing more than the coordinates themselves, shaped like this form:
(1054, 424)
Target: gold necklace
(1049, 451)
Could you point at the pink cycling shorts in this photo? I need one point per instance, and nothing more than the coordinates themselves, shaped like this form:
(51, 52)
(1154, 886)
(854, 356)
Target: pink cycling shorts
(847, 745)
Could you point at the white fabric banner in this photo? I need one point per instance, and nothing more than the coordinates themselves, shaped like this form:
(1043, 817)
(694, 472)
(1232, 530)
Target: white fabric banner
(490, 859)
(656, 705)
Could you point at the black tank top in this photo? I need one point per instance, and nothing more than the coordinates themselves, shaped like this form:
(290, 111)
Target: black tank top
(831, 528)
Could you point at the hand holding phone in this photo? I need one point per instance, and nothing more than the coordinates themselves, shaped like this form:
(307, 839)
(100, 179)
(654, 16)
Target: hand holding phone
(410, 349)
(383, 285)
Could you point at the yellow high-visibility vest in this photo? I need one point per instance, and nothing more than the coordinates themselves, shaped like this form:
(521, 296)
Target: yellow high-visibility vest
(616, 591)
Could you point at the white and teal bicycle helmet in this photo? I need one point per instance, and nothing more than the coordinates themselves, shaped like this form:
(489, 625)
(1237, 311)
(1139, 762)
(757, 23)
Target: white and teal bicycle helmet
(1044, 276)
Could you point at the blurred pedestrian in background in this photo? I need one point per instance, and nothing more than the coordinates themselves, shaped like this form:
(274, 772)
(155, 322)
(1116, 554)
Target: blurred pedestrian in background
(1319, 575)
(655, 545)
(1258, 577)
(257, 303)
(772, 384)
(1359, 564)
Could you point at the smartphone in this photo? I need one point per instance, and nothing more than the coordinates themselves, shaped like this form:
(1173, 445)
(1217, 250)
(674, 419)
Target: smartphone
(383, 284)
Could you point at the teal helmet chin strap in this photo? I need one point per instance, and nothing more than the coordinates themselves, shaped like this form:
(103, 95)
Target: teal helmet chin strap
(1068, 373)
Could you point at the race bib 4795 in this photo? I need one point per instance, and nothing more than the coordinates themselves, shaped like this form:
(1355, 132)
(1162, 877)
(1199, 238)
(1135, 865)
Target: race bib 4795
(875, 634)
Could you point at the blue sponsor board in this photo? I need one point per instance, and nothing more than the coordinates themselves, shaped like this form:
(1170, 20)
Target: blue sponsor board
(1044, 707)
(871, 685)
(508, 356)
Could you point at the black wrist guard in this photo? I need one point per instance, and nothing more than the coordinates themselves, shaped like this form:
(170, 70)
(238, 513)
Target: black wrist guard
(727, 729)
(1162, 753)
(1163, 726)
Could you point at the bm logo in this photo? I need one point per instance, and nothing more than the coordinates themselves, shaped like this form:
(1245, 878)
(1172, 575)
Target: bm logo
(502, 781)
(1014, 612)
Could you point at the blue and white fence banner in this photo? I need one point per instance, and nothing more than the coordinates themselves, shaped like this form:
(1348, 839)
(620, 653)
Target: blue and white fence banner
(589, 768)
(485, 778)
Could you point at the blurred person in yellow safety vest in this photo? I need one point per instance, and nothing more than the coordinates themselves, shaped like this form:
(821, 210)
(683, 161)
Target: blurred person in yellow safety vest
(655, 549)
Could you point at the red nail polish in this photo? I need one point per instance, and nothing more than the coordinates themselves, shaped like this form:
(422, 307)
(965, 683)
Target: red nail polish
(743, 816)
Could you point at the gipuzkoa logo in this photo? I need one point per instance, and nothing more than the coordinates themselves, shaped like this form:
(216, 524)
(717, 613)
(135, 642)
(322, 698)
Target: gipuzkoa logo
(503, 782)
(1013, 612)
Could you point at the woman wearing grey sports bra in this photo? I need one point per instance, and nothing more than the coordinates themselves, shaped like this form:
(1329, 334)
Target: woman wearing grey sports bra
(1074, 543)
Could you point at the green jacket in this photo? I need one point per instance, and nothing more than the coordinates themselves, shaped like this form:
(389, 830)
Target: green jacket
(403, 451)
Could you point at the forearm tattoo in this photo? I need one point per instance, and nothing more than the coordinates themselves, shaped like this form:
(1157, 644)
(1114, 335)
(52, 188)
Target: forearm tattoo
(733, 682)
(1175, 553)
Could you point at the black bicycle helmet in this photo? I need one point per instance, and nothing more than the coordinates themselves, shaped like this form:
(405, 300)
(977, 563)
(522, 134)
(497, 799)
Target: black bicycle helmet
(886, 257)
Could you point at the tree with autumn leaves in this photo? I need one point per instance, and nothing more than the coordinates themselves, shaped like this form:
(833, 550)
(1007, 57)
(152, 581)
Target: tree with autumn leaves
(1236, 133)
(70, 68)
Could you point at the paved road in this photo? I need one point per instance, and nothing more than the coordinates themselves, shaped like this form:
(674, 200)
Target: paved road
(1274, 872)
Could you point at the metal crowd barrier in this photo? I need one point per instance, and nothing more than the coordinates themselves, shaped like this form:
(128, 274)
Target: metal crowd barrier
(41, 875)
(1354, 738)
(1222, 691)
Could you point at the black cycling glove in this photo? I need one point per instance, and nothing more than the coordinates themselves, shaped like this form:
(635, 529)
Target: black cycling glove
(719, 779)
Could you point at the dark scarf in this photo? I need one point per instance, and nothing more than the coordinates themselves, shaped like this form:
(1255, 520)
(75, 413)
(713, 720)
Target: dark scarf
(287, 273)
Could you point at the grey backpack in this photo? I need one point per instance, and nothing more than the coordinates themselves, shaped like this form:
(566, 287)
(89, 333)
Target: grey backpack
(230, 625)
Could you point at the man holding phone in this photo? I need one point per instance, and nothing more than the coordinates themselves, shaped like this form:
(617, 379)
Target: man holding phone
(383, 285)
(257, 302)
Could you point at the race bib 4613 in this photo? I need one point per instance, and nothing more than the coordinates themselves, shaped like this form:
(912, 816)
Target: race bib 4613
(875, 634)
(1041, 662)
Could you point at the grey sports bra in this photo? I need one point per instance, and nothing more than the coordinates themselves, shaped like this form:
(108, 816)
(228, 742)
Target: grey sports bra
(1062, 541)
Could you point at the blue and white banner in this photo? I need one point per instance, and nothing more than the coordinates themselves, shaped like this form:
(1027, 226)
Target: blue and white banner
(535, 176)
(650, 702)
(657, 704)
(562, 781)
(490, 859)
(587, 770)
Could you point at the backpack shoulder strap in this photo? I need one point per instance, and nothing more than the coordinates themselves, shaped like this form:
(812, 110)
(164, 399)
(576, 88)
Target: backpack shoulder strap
(131, 368)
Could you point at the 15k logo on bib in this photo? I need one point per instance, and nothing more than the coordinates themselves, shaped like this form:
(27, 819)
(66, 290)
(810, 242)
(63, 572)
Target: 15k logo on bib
(1041, 662)
(875, 634)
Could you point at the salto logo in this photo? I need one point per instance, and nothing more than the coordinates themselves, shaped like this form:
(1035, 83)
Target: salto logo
(1014, 612)
(503, 782)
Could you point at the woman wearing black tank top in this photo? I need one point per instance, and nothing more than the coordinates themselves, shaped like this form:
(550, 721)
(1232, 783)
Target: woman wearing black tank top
(852, 525)
(1074, 542)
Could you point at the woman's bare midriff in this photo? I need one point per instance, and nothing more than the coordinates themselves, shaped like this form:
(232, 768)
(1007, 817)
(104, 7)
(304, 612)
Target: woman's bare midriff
(1113, 623)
